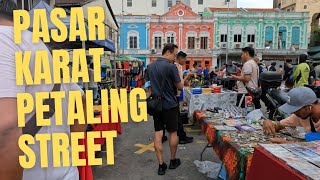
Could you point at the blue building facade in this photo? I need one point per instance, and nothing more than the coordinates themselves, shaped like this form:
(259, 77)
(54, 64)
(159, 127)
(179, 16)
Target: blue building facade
(134, 37)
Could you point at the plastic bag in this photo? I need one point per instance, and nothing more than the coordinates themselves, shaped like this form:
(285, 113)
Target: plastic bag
(254, 115)
(212, 169)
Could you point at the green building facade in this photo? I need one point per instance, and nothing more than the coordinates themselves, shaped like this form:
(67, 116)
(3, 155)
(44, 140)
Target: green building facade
(275, 35)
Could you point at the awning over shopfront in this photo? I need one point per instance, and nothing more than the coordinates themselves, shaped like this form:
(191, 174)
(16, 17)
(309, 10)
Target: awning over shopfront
(48, 8)
(105, 66)
(315, 49)
(316, 56)
(127, 58)
(107, 44)
(68, 3)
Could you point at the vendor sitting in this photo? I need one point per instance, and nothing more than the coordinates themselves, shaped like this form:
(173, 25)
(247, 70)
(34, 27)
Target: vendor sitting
(304, 106)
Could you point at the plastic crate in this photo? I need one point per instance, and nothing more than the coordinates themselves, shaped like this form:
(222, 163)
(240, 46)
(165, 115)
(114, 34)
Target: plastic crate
(196, 91)
(312, 137)
(133, 83)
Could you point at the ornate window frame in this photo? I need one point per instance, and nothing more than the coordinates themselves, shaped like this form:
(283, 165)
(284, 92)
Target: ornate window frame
(133, 33)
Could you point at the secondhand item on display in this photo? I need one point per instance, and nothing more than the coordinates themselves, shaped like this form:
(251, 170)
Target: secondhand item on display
(196, 91)
(296, 156)
(233, 111)
(297, 132)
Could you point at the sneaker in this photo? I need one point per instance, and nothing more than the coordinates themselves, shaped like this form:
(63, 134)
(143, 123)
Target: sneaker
(162, 169)
(186, 140)
(189, 138)
(174, 163)
(164, 139)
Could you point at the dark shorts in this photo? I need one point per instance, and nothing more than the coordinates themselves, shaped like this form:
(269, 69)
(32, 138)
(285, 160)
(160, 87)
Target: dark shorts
(167, 119)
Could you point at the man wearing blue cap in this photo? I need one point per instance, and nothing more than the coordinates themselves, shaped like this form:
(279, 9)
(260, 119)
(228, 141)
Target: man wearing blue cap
(304, 106)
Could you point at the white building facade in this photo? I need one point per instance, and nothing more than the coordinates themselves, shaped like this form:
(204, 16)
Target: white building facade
(160, 7)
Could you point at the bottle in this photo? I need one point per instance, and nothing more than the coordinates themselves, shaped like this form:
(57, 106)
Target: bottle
(249, 106)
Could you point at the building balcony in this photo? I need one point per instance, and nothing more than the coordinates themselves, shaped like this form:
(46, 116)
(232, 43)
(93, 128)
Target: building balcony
(282, 51)
(197, 51)
(223, 16)
(264, 51)
(135, 51)
(190, 52)
(286, 3)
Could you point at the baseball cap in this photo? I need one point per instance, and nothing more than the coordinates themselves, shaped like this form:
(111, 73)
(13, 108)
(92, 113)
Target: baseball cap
(298, 98)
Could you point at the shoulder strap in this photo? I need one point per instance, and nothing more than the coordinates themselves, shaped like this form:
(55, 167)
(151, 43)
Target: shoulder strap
(164, 78)
(313, 129)
(258, 75)
(31, 126)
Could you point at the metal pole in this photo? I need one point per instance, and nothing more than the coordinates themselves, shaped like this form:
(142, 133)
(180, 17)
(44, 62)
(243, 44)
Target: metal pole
(227, 34)
(85, 84)
(122, 25)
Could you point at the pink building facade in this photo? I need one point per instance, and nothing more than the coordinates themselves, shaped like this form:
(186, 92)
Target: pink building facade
(190, 31)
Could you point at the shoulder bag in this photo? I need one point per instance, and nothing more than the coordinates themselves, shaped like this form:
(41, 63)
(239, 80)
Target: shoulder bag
(154, 101)
(254, 92)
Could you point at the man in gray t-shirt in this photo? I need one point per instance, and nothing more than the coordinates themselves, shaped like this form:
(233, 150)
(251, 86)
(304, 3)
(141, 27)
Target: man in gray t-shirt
(249, 75)
(165, 81)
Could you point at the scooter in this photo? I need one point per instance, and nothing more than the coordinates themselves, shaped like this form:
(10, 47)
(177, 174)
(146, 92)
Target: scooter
(276, 99)
(270, 83)
(315, 88)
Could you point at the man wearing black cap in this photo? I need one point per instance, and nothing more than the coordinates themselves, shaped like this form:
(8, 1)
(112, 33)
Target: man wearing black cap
(9, 130)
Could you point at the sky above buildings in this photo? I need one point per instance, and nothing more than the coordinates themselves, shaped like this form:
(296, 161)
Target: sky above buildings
(255, 3)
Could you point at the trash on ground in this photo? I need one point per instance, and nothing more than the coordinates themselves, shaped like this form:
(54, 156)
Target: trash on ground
(211, 169)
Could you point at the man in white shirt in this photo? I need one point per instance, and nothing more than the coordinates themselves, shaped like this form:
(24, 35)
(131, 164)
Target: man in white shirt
(92, 84)
(9, 130)
(249, 74)
(180, 61)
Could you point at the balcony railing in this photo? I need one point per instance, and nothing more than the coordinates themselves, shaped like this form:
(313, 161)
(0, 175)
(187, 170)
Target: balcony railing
(197, 51)
(136, 51)
(264, 51)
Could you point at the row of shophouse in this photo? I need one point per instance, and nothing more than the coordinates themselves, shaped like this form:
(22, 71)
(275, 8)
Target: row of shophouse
(209, 37)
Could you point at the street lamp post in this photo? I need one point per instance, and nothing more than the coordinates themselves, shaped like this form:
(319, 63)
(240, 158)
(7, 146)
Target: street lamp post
(227, 49)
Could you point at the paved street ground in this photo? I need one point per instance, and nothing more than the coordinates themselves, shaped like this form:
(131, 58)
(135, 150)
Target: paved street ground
(144, 166)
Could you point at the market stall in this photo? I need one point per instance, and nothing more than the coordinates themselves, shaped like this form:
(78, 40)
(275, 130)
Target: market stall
(129, 72)
(237, 141)
(85, 172)
(284, 164)
(205, 99)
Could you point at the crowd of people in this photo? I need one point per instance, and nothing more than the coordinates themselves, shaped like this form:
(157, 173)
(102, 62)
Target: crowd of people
(166, 78)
